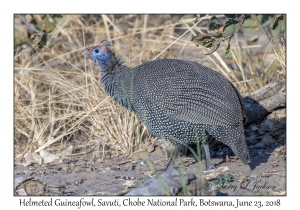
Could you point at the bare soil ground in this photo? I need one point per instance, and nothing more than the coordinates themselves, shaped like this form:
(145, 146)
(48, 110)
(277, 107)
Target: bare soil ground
(90, 175)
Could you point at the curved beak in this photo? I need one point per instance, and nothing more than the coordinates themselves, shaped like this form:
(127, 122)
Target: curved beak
(88, 52)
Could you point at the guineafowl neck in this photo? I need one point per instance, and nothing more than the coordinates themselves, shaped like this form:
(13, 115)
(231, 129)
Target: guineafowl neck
(118, 83)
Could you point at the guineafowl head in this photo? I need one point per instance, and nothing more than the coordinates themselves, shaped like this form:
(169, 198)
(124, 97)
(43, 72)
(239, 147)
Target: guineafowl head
(111, 70)
(100, 53)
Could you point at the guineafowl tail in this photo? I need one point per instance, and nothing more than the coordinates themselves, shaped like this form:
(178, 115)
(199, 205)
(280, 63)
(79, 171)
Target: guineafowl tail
(239, 147)
(235, 139)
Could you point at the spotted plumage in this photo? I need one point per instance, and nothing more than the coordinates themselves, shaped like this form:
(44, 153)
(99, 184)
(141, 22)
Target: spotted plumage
(176, 99)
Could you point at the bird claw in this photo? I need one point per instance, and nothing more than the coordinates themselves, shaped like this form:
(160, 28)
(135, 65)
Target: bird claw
(210, 169)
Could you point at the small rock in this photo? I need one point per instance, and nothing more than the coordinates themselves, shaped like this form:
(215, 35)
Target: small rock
(267, 125)
(21, 192)
(129, 183)
(259, 145)
(267, 139)
(114, 167)
(47, 156)
(33, 187)
(32, 157)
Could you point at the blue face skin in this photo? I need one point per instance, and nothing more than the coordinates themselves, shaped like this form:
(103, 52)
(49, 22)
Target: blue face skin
(97, 54)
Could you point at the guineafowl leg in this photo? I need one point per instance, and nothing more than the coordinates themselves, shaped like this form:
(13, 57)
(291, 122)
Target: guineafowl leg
(174, 156)
(209, 164)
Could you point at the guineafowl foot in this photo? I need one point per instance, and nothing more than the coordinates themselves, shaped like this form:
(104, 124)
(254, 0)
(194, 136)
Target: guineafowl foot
(210, 167)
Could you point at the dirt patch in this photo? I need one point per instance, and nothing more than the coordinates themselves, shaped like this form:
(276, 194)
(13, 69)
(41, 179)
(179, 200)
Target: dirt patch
(266, 175)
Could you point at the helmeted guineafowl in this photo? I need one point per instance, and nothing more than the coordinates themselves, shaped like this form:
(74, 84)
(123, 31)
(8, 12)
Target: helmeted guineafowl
(176, 99)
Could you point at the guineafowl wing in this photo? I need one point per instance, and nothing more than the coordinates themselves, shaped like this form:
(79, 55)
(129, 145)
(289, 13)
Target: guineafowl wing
(191, 92)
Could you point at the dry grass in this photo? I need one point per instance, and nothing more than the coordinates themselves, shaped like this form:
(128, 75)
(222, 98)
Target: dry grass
(59, 100)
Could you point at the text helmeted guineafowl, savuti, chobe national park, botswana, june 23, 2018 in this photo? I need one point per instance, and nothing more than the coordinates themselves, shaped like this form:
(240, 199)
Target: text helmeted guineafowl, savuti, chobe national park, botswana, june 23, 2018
(176, 99)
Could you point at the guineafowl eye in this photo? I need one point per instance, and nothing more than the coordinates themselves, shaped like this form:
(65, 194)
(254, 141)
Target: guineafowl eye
(96, 50)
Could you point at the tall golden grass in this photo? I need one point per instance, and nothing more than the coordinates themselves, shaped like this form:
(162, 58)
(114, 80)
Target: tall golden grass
(59, 100)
